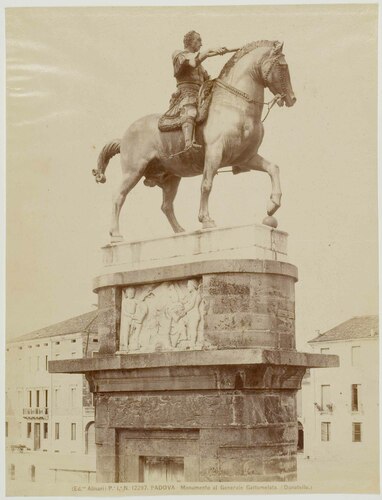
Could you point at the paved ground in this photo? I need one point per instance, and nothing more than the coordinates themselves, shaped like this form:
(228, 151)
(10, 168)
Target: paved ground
(338, 476)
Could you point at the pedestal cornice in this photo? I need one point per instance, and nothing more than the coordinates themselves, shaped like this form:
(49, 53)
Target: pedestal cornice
(192, 269)
(193, 358)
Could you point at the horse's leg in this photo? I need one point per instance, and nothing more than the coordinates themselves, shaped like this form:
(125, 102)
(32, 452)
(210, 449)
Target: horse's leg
(211, 164)
(129, 180)
(170, 188)
(261, 164)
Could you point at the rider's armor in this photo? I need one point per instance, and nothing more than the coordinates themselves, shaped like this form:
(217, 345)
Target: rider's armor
(189, 80)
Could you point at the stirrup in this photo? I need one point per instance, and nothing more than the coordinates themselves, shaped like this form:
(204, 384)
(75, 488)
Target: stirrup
(194, 146)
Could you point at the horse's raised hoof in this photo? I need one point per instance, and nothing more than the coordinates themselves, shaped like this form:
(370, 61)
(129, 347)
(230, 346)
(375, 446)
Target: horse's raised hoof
(270, 221)
(116, 238)
(101, 178)
(272, 207)
(208, 224)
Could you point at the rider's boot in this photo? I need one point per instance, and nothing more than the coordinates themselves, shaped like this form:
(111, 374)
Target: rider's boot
(188, 132)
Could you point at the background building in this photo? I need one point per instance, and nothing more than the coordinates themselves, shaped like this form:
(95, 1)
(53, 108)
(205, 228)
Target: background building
(50, 417)
(340, 406)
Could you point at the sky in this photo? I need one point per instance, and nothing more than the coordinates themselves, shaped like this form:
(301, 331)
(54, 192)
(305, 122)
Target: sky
(78, 77)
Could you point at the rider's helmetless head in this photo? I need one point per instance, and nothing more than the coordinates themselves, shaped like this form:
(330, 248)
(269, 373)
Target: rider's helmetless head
(192, 41)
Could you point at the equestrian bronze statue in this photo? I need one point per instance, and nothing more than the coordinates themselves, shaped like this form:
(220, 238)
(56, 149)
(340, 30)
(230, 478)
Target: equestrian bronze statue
(229, 127)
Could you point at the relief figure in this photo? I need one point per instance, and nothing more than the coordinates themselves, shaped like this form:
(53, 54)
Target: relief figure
(162, 318)
(143, 320)
(140, 314)
(191, 303)
(128, 310)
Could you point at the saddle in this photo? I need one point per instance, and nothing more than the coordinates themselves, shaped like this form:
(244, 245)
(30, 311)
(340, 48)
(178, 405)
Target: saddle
(171, 120)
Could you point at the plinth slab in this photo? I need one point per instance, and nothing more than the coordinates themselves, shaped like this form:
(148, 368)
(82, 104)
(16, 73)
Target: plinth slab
(253, 241)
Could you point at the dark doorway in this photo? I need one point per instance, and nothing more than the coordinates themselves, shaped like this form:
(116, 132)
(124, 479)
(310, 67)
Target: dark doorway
(161, 469)
(90, 439)
(300, 438)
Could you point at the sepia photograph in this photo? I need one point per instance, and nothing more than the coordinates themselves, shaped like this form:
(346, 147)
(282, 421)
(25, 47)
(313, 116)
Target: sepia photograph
(191, 250)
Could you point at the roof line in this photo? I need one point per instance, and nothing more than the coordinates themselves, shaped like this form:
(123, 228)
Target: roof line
(344, 340)
(91, 322)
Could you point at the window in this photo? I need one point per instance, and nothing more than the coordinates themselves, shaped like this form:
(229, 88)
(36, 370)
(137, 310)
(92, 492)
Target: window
(29, 429)
(38, 399)
(56, 430)
(325, 396)
(6, 429)
(356, 432)
(324, 350)
(73, 340)
(46, 397)
(325, 431)
(30, 399)
(73, 397)
(45, 430)
(73, 432)
(37, 436)
(46, 363)
(355, 390)
(356, 355)
(38, 363)
(33, 473)
(12, 471)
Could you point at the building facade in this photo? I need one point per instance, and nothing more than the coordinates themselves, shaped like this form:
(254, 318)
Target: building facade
(340, 406)
(50, 417)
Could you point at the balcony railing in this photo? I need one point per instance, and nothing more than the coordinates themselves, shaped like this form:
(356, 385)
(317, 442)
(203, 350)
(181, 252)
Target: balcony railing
(328, 408)
(35, 412)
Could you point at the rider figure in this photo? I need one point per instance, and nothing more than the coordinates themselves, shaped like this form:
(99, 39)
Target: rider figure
(190, 75)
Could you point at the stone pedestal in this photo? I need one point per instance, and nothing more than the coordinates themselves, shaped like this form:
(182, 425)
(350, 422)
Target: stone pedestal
(197, 372)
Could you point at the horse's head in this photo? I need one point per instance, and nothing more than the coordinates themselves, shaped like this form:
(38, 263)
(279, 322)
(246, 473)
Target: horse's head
(275, 75)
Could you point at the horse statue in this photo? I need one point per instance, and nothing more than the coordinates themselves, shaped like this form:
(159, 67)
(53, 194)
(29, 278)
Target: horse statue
(231, 135)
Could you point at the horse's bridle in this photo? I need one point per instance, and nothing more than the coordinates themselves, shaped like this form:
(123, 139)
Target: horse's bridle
(282, 69)
(282, 76)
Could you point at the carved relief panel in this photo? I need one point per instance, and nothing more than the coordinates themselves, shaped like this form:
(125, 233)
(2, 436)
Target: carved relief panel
(162, 317)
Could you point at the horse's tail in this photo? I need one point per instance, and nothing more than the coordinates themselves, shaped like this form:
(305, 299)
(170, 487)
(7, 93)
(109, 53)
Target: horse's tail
(111, 149)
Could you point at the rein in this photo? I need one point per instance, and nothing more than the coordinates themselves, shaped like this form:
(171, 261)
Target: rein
(245, 96)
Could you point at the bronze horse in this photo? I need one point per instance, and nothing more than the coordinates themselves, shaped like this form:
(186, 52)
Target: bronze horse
(231, 135)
